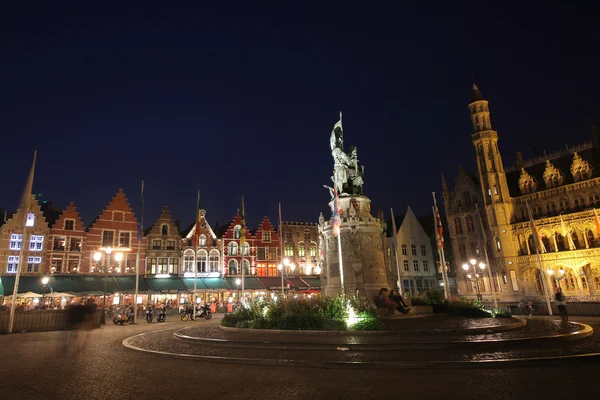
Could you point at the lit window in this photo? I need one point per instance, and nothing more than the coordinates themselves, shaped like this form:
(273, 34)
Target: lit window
(170, 245)
(301, 249)
(156, 244)
(16, 241)
(213, 261)
(266, 236)
(108, 238)
(188, 261)
(236, 232)
(13, 264)
(288, 250)
(30, 219)
(202, 260)
(497, 244)
(163, 266)
(246, 248)
(233, 248)
(33, 264)
(202, 241)
(36, 242)
(124, 238)
(313, 250)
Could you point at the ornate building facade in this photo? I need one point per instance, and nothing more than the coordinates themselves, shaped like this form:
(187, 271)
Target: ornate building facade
(300, 245)
(234, 252)
(163, 246)
(66, 242)
(488, 213)
(206, 254)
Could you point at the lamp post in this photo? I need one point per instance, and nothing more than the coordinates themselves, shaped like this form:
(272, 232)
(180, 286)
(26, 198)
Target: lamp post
(474, 277)
(97, 257)
(282, 267)
(45, 281)
(238, 282)
(557, 278)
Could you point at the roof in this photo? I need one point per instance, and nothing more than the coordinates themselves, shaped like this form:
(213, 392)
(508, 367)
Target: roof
(388, 228)
(563, 163)
(476, 94)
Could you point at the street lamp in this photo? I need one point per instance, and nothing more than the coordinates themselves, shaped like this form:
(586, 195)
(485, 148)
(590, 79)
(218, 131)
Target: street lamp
(290, 267)
(97, 257)
(474, 277)
(45, 281)
(557, 278)
(238, 282)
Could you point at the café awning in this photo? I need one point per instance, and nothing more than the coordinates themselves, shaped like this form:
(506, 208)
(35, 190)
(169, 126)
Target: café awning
(250, 283)
(216, 284)
(166, 285)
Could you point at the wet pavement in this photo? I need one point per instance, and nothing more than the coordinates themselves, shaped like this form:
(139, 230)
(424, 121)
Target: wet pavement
(96, 366)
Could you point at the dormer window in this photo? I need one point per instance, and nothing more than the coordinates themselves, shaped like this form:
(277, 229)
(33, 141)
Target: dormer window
(236, 232)
(526, 182)
(552, 176)
(580, 168)
(164, 229)
(202, 241)
(69, 224)
(30, 219)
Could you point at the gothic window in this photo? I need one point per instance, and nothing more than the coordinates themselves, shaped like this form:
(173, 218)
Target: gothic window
(301, 249)
(313, 249)
(164, 230)
(233, 248)
(457, 226)
(536, 211)
(288, 250)
(550, 208)
(579, 202)
(591, 239)
(563, 205)
(552, 176)
(246, 247)
(594, 199)
(523, 214)
(69, 224)
(469, 223)
(580, 169)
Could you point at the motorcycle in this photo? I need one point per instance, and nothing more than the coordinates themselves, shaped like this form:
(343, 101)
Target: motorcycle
(149, 315)
(120, 318)
(186, 313)
(162, 315)
(203, 312)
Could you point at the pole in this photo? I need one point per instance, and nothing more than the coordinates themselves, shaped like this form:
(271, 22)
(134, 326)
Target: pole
(395, 236)
(196, 239)
(539, 258)
(281, 250)
(106, 267)
(440, 249)
(137, 262)
(242, 244)
(24, 205)
(487, 259)
(341, 265)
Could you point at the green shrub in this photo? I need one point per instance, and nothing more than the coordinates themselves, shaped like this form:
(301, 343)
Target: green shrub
(368, 324)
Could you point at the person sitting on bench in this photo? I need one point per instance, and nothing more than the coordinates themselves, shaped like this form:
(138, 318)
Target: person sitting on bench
(398, 302)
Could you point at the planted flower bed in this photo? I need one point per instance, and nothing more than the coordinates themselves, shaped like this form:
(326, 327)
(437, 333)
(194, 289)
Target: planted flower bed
(317, 313)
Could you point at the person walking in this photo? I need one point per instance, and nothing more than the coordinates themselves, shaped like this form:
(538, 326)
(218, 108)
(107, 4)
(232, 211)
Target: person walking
(562, 305)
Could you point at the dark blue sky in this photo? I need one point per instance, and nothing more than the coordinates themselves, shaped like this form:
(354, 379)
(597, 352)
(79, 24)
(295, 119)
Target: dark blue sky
(241, 100)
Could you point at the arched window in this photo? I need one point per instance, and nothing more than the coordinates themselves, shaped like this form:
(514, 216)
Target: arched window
(536, 211)
(165, 229)
(288, 250)
(575, 238)
(469, 223)
(569, 279)
(202, 257)
(313, 249)
(232, 267)
(579, 202)
(301, 249)
(560, 242)
(457, 226)
(202, 240)
(233, 248)
(563, 205)
(550, 208)
(246, 248)
(236, 232)
(594, 199)
(188, 261)
(591, 239)
(246, 267)
(213, 260)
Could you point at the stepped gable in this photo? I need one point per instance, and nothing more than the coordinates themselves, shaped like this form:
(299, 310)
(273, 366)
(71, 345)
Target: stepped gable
(265, 225)
(237, 220)
(205, 228)
(70, 212)
(165, 218)
(562, 162)
(119, 203)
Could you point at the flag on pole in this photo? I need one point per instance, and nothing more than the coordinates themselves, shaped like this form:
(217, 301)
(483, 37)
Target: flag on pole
(567, 234)
(438, 224)
(336, 213)
(243, 229)
(197, 232)
(537, 240)
(597, 221)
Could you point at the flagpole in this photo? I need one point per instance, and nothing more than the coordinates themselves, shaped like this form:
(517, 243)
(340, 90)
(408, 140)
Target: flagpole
(439, 241)
(487, 259)
(139, 251)
(395, 236)
(539, 258)
(242, 243)
(281, 249)
(196, 239)
(25, 203)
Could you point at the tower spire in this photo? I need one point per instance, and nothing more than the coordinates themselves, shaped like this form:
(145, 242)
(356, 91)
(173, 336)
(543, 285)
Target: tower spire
(476, 94)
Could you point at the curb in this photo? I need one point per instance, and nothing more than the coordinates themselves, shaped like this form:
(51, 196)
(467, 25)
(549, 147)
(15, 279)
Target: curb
(521, 322)
(581, 334)
(518, 362)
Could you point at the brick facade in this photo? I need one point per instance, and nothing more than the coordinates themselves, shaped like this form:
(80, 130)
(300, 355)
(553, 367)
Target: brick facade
(300, 245)
(163, 246)
(207, 247)
(66, 242)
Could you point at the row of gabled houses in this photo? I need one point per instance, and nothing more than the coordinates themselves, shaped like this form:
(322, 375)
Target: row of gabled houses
(59, 243)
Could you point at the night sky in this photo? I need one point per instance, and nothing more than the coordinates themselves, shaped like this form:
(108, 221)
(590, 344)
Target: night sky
(241, 100)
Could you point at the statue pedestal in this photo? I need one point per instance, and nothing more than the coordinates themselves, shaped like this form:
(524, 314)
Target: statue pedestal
(362, 250)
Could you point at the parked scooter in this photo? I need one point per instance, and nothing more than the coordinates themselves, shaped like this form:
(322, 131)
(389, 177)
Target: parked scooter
(149, 314)
(203, 312)
(162, 315)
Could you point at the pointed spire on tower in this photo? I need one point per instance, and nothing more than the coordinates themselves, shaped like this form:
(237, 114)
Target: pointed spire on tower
(476, 94)
(444, 185)
(26, 196)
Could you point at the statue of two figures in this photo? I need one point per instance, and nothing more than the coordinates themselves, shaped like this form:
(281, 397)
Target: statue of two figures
(347, 174)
